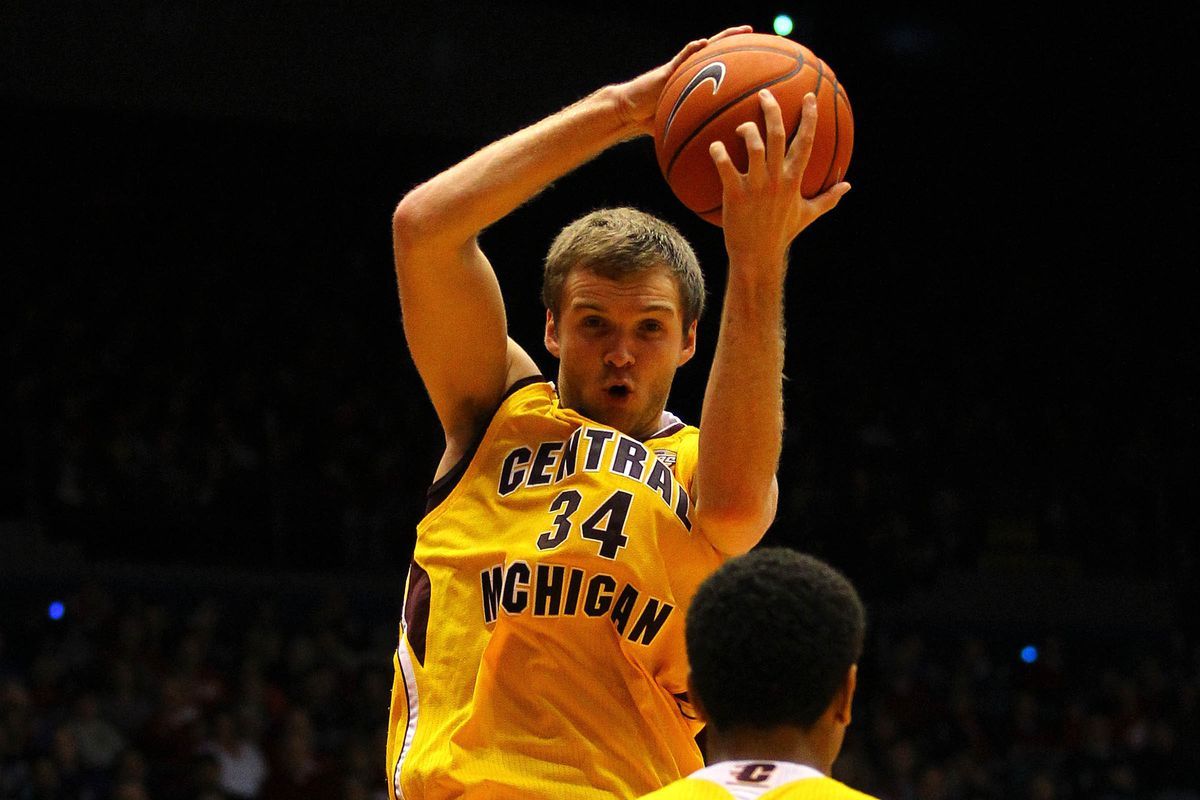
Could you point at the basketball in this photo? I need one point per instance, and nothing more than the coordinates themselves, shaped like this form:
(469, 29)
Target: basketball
(716, 90)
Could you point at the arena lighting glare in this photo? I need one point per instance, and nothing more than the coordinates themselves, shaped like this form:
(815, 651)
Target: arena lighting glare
(783, 24)
(57, 610)
(1029, 654)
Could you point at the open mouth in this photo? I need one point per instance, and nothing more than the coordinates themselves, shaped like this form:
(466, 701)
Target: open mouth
(618, 391)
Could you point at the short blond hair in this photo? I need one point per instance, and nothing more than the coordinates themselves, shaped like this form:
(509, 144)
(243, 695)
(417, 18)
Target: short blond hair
(618, 242)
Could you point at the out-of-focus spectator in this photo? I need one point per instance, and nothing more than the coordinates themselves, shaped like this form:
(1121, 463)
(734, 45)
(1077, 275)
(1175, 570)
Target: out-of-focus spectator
(171, 731)
(128, 705)
(15, 776)
(241, 762)
(74, 778)
(131, 769)
(98, 740)
(46, 783)
(297, 769)
(204, 777)
(129, 790)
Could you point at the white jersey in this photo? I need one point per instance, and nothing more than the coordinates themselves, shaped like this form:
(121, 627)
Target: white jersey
(757, 780)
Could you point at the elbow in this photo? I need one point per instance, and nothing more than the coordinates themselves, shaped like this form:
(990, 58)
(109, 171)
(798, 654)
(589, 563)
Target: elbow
(410, 220)
(425, 221)
(735, 526)
(735, 531)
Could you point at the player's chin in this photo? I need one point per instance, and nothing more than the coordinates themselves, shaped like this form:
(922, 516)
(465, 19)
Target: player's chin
(638, 423)
(620, 412)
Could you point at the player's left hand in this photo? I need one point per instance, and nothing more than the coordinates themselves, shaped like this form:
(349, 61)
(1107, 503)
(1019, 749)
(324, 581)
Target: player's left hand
(763, 207)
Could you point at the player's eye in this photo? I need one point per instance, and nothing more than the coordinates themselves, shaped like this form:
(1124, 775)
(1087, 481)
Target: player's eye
(592, 322)
(652, 326)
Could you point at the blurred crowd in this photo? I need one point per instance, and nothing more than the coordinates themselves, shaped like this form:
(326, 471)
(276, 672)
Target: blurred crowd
(218, 698)
(968, 716)
(207, 694)
(184, 435)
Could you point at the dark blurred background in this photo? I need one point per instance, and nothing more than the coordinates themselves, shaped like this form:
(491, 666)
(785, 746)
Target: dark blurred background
(216, 447)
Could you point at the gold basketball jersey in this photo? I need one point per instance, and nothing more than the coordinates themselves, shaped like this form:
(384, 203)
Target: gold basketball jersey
(757, 780)
(542, 646)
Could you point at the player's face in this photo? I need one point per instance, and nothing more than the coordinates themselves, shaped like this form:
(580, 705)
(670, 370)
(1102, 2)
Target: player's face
(619, 343)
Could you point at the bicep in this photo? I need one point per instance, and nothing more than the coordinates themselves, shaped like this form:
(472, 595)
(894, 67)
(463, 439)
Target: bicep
(455, 326)
(460, 442)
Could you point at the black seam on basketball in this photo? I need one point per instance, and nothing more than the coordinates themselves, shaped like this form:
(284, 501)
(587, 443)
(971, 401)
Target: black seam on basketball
(833, 155)
(699, 128)
(745, 48)
(753, 48)
(800, 112)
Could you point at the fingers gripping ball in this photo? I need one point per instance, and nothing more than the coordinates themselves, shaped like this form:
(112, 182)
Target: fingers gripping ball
(715, 91)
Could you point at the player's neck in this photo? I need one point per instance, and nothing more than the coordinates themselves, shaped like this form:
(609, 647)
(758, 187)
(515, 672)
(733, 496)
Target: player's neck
(783, 743)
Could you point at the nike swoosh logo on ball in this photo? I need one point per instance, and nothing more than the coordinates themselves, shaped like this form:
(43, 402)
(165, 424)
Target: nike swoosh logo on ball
(714, 72)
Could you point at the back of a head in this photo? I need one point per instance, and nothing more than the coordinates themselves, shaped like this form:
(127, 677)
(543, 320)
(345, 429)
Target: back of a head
(770, 638)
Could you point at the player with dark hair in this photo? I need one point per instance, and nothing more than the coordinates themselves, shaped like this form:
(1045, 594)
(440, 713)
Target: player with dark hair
(542, 651)
(773, 639)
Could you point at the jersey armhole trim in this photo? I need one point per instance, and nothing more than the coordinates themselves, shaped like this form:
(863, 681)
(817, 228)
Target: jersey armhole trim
(443, 486)
(670, 430)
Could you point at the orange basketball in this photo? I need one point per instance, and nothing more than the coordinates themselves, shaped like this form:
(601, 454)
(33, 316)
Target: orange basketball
(716, 90)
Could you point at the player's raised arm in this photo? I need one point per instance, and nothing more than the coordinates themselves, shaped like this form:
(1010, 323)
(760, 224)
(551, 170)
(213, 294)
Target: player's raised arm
(741, 428)
(452, 307)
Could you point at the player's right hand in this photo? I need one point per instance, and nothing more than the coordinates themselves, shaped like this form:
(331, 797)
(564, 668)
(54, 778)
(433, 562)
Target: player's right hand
(637, 99)
(764, 209)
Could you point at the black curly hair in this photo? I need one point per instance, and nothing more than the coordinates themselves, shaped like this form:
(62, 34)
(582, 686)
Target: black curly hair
(770, 636)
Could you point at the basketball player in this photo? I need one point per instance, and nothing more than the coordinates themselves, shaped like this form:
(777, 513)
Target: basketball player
(541, 651)
(773, 638)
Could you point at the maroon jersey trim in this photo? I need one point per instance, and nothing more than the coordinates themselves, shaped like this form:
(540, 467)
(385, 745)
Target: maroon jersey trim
(416, 610)
(442, 487)
(670, 430)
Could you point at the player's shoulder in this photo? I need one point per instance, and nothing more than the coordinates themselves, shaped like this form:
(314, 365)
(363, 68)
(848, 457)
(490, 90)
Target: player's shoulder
(820, 788)
(758, 780)
(823, 788)
(690, 789)
(532, 394)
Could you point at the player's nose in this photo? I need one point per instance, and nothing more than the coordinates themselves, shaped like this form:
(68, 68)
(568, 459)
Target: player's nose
(619, 352)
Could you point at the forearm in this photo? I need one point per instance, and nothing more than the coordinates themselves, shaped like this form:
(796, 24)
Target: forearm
(465, 358)
(741, 428)
(457, 204)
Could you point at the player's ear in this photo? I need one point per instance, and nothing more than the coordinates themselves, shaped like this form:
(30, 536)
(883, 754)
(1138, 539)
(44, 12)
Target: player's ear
(694, 697)
(844, 698)
(551, 334)
(689, 344)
